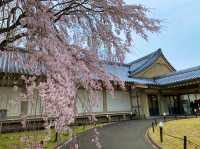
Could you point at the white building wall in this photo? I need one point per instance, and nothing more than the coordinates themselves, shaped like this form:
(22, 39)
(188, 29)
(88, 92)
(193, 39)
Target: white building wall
(35, 106)
(119, 102)
(8, 100)
(83, 102)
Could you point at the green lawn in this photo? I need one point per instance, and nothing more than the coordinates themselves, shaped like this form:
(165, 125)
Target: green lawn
(178, 128)
(13, 140)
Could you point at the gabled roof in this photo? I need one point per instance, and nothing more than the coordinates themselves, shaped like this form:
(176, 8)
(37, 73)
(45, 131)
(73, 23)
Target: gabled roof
(145, 62)
(122, 72)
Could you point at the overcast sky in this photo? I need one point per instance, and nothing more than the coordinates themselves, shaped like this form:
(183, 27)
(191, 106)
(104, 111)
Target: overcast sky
(180, 36)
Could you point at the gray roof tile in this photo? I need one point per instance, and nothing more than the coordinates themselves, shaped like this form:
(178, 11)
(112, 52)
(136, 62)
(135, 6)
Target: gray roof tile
(122, 72)
(179, 76)
(15, 62)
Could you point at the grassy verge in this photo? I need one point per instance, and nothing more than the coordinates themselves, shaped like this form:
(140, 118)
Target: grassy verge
(178, 129)
(17, 140)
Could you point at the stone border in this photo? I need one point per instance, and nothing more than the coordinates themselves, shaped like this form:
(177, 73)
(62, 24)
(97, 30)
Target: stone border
(151, 141)
(70, 139)
(61, 145)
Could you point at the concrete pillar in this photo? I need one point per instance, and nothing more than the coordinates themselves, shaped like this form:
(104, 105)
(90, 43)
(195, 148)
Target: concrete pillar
(144, 104)
(131, 100)
(132, 93)
(136, 105)
(160, 104)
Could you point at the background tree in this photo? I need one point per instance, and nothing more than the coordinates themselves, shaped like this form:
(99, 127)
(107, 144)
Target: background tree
(70, 37)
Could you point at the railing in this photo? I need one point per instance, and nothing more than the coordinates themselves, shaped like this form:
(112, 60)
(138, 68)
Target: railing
(186, 142)
(11, 124)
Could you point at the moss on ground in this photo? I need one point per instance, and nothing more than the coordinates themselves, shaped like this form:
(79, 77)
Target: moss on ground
(15, 140)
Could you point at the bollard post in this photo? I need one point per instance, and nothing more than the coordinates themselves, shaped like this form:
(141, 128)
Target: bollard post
(185, 143)
(131, 117)
(164, 116)
(156, 122)
(161, 134)
(108, 118)
(56, 137)
(153, 126)
(195, 111)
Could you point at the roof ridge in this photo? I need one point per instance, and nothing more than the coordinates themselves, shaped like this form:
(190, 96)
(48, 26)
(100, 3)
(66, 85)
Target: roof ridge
(115, 63)
(142, 58)
(146, 61)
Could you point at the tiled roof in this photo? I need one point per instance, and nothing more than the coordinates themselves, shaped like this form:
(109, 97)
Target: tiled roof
(146, 61)
(172, 78)
(122, 71)
(179, 76)
(16, 62)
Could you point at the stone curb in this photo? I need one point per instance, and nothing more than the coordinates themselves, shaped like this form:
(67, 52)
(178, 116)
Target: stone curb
(150, 140)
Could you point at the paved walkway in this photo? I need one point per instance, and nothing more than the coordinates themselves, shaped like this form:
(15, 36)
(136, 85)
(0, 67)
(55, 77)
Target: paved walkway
(124, 135)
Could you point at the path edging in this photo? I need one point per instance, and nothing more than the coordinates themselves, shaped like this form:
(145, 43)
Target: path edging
(151, 141)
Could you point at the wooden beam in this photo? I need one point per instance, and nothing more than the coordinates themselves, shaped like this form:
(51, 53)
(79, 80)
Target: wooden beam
(179, 91)
(140, 86)
(105, 101)
(151, 91)
(131, 99)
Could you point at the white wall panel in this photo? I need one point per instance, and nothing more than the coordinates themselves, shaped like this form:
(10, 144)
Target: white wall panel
(119, 102)
(83, 102)
(34, 107)
(8, 100)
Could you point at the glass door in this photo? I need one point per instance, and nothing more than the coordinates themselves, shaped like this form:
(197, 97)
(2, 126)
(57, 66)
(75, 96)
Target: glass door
(153, 105)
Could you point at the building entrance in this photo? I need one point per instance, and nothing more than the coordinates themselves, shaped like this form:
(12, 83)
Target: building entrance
(153, 105)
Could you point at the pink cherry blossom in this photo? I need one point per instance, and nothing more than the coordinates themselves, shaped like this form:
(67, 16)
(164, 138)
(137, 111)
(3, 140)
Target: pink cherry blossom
(69, 42)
